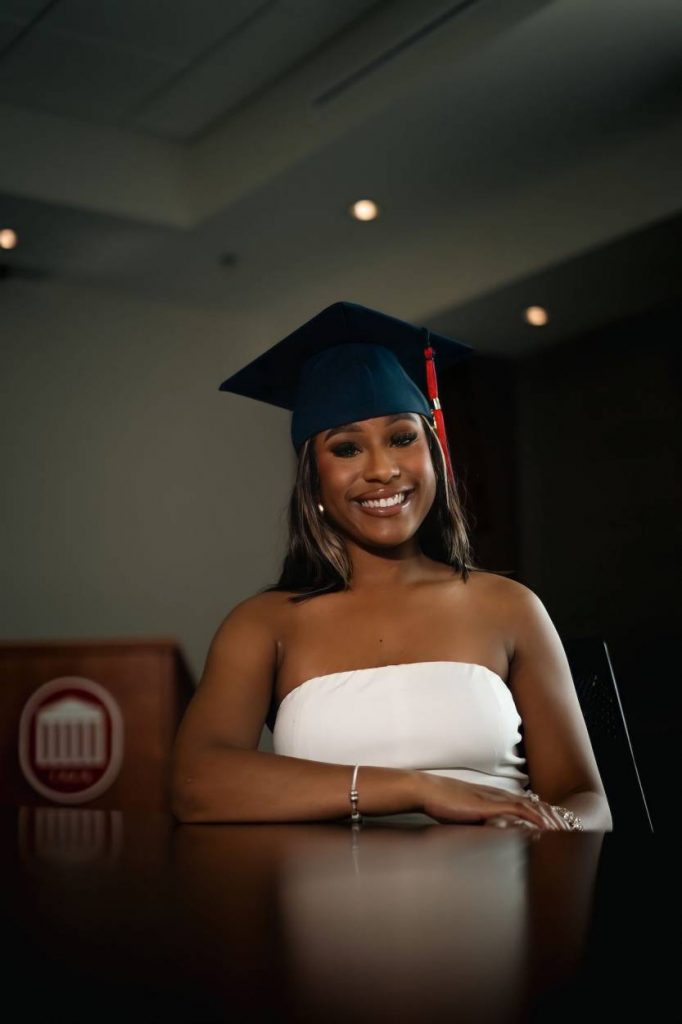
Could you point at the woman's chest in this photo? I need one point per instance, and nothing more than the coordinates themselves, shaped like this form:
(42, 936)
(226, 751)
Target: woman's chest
(339, 632)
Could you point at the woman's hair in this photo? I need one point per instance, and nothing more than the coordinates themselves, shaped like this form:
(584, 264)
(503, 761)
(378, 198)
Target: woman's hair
(317, 561)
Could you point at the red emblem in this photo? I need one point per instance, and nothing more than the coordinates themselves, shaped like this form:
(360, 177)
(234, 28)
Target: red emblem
(71, 740)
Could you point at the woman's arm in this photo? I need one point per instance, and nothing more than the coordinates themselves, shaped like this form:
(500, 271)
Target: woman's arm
(218, 774)
(561, 764)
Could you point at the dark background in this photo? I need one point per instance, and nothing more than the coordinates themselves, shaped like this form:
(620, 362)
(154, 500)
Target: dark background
(569, 461)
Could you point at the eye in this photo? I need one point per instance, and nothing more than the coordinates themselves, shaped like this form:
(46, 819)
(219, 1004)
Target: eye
(345, 449)
(348, 448)
(402, 440)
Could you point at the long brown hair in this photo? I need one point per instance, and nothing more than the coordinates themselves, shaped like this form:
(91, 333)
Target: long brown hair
(317, 560)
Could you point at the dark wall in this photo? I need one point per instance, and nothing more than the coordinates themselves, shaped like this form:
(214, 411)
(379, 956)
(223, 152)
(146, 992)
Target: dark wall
(598, 459)
(571, 460)
(479, 403)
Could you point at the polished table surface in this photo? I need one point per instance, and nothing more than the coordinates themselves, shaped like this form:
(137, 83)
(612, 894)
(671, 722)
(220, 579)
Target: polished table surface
(112, 915)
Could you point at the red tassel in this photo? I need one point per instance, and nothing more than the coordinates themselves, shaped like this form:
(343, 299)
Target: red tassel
(432, 389)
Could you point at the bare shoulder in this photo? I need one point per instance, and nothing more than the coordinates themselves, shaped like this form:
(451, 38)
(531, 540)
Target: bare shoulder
(262, 612)
(512, 606)
(244, 642)
(500, 589)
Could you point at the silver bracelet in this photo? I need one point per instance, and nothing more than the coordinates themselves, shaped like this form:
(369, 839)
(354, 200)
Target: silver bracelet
(570, 817)
(355, 817)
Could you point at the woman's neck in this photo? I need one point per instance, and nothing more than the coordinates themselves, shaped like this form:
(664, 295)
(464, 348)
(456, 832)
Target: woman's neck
(392, 568)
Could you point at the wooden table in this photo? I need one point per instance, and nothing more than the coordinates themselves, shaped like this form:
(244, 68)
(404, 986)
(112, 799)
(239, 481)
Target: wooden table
(132, 917)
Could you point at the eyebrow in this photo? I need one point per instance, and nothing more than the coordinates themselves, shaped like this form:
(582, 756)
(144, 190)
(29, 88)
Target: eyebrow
(355, 428)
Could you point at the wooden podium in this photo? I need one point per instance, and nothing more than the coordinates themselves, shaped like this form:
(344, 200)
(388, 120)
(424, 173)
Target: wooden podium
(90, 723)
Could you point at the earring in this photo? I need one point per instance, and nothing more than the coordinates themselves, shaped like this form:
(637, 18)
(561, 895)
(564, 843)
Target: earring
(320, 506)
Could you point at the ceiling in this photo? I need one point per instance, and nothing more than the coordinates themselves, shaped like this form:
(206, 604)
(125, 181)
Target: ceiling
(205, 154)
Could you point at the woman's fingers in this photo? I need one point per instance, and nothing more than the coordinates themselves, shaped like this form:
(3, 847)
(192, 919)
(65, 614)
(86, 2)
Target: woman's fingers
(542, 809)
(507, 820)
(561, 822)
(521, 806)
(550, 817)
(533, 811)
(525, 812)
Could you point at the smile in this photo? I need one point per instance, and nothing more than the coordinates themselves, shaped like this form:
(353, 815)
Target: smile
(386, 506)
(384, 503)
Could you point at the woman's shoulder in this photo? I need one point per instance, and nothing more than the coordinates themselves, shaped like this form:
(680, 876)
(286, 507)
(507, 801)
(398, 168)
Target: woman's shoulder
(498, 587)
(260, 614)
(268, 598)
(504, 603)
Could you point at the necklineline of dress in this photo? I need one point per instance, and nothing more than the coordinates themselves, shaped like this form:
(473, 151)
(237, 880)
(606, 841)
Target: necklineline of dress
(275, 705)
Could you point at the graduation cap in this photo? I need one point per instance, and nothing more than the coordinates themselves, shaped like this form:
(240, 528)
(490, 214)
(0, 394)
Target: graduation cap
(350, 363)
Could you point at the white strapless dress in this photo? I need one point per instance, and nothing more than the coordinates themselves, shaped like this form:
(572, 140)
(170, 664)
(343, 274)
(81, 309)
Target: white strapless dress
(449, 718)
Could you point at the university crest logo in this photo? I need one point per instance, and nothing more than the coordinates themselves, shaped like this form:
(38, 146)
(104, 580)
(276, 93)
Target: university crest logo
(71, 740)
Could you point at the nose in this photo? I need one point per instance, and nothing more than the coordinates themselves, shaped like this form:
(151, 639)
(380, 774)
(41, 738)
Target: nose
(381, 464)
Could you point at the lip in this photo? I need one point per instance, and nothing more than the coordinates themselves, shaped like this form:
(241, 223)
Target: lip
(391, 510)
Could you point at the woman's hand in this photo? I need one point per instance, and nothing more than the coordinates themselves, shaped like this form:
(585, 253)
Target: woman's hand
(452, 801)
(512, 820)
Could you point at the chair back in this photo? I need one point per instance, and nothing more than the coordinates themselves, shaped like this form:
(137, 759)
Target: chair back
(604, 716)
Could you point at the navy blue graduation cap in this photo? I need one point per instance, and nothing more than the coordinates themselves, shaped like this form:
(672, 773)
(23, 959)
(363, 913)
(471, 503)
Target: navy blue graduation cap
(350, 363)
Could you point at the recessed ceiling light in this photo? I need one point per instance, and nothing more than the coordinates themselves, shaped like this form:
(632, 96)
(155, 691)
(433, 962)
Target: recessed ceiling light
(8, 238)
(536, 315)
(364, 209)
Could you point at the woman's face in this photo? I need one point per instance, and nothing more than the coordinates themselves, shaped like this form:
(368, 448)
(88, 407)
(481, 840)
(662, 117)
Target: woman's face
(359, 464)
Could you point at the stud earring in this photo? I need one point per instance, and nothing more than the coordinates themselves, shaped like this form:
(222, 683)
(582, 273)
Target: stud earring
(320, 506)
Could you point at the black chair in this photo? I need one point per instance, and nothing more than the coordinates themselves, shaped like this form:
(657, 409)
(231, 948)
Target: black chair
(602, 710)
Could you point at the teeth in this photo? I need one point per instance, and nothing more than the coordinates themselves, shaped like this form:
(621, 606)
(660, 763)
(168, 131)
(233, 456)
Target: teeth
(397, 499)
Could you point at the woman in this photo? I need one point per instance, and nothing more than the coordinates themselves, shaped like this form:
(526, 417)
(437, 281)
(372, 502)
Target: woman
(382, 646)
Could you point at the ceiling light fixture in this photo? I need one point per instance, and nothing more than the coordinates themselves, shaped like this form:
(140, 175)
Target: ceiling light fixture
(364, 209)
(536, 315)
(8, 238)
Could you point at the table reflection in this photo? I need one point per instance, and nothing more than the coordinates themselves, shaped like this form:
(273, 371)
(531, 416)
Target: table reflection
(297, 921)
(394, 922)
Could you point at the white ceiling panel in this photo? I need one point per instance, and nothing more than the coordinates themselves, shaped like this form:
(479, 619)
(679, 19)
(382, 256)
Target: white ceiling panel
(169, 30)
(167, 67)
(22, 10)
(65, 75)
(248, 60)
(9, 30)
